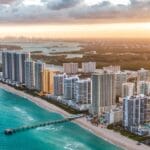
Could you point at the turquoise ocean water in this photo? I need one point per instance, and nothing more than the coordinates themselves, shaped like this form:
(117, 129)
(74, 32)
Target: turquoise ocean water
(16, 111)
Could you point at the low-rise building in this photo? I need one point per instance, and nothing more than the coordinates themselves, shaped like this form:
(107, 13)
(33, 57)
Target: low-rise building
(114, 116)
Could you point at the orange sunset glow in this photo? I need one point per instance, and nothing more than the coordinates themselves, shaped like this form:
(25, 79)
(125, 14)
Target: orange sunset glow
(132, 30)
(75, 18)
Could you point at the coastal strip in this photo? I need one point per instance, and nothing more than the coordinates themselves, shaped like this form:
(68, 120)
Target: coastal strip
(108, 135)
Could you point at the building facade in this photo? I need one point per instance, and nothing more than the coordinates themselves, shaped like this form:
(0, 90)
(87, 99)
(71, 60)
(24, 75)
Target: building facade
(69, 87)
(128, 89)
(120, 77)
(83, 91)
(143, 75)
(88, 67)
(48, 81)
(103, 92)
(39, 68)
(70, 68)
(13, 65)
(30, 74)
(136, 111)
(59, 84)
(143, 87)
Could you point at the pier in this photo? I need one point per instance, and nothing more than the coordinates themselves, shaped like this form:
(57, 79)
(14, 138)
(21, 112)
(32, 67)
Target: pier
(11, 131)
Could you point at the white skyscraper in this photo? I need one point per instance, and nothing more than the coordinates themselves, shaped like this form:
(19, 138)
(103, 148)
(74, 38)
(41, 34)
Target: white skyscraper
(120, 78)
(88, 67)
(39, 68)
(83, 91)
(69, 87)
(143, 75)
(30, 74)
(13, 65)
(59, 84)
(136, 111)
(128, 89)
(70, 68)
(103, 92)
(143, 87)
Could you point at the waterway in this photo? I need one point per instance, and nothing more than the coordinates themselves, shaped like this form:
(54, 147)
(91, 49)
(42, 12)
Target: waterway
(16, 111)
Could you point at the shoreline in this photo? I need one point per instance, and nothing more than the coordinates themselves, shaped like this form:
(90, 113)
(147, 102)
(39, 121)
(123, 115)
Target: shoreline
(103, 133)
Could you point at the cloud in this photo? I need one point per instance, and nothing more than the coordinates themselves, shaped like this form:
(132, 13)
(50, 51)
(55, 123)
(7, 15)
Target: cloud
(6, 1)
(63, 4)
(73, 11)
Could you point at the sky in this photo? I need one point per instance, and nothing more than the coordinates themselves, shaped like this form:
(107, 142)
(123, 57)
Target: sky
(75, 18)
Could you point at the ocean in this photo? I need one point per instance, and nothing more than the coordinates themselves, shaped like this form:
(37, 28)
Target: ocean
(16, 111)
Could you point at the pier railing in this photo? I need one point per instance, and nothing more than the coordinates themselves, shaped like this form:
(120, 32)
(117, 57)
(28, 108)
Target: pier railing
(11, 131)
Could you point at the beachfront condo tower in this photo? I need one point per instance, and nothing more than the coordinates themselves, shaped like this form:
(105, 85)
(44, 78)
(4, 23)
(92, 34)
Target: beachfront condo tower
(59, 84)
(143, 87)
(39, 68)
(13, 65)
(48, 81)
(136, 111)
(83, 91)
(69, 87)
(103, 92)
(121, 77)
(143, 75)
(30, 74)
(88, 67)
(128, 89)
(70, 68)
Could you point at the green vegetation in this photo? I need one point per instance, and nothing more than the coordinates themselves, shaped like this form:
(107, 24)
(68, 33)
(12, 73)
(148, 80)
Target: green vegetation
(10, 47)
(69, 52)
(129, 54)
(118, 128)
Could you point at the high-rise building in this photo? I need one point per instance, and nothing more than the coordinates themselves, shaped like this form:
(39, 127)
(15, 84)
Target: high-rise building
(59, 84)
(18, 68)
(13, 65)
(69, 87)
(136, 111)
(30, 74)
(39, 68)
(24, 57)
(70, 68)
(83, 91)
(48, 81)
(4, 65)
(103, 92)
(143, 87)
(113, 69)
(88, 67)
(128, 89)
(120, 77)
(143, 75)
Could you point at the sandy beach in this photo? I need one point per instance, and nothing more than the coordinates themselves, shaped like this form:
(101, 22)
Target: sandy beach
(109, 135)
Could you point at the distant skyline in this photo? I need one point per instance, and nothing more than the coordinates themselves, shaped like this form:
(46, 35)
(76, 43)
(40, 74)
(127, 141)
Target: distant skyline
(75, 18)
